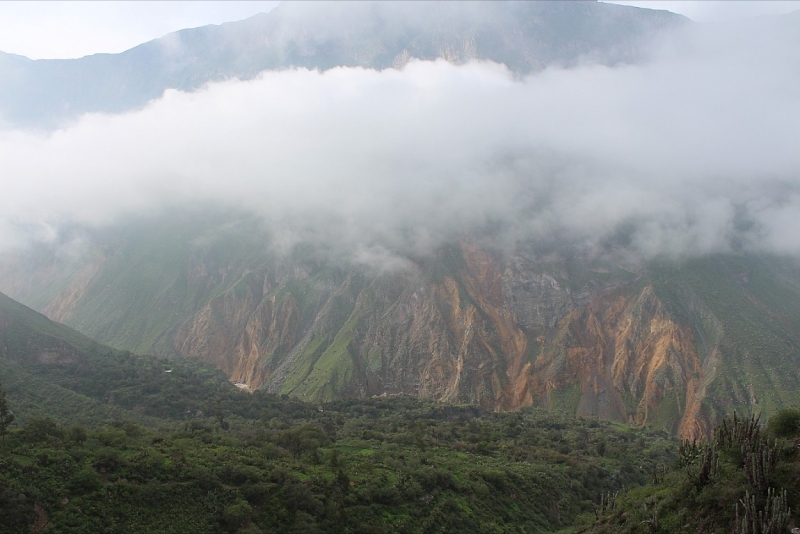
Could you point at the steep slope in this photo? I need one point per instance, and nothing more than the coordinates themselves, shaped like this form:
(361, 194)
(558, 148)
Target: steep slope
(34, 397)
(745, 313)
(50, 370)
(29, 342)
(524, 35)
(671, 345)
(142, 280)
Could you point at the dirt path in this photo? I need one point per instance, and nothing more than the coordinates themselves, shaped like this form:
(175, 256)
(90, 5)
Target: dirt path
(41, 518)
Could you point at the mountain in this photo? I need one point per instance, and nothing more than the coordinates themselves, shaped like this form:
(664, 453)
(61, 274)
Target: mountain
(52, 371)
(80, 456)
(366, 465)
(674, 345)
(29, 342)
(526, 36)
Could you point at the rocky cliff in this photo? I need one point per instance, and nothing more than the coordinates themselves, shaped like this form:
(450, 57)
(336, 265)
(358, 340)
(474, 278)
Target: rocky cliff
(458, 337)
(655, 344)
(674, 346)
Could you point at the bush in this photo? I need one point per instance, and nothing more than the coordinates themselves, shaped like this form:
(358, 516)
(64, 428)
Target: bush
(85, 481)
(40, 429)
(77, 434)
(237, 514)
(785, 423)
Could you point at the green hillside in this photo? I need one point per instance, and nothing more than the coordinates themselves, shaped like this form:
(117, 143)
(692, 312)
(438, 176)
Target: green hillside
(163, 270)
(79, 457)
(744, 481)
(745, 312)
(206, 284)
(51, 370)
(400, 465)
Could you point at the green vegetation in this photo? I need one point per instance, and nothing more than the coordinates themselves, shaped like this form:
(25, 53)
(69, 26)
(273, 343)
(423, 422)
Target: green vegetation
(379, 465)
(183, 279)
(743, 481)
(6, 417)
(745, 313)
(785, 424)
(158, 273)
(51, 370)
(108, 441)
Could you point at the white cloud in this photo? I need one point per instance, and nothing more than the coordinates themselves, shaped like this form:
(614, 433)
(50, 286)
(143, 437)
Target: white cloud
(668, 157)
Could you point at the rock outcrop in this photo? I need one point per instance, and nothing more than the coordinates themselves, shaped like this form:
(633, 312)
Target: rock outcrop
(651, 346)
(467, 326)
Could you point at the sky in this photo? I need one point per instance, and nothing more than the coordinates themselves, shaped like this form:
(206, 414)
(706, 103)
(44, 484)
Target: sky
(689, 153)
(718, 10)
(70, 29)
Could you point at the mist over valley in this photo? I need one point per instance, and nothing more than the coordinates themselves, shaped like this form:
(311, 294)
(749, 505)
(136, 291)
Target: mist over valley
(507, 204)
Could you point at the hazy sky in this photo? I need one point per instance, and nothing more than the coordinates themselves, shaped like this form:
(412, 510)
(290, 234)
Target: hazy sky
(691, 152)
(718, 10)
(68, 29)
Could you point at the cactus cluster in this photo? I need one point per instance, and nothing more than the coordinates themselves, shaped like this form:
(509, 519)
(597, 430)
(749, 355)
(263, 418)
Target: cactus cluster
(608, 502)
(708, 468)
(759, 461)
(742, 470)
(770, 520)
(651, 518)
(659, 472)
(688, 452)
(758, 458)
(759, 465)
(742, 434)
(701, 461)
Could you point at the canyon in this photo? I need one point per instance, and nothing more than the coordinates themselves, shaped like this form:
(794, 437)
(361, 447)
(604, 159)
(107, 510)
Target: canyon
(645, 344)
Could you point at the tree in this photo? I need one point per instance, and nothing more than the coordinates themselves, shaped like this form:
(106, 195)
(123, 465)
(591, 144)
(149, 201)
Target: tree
(6, 417)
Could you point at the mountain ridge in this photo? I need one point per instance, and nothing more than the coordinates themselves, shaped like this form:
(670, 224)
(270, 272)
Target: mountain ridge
(656, 346)
(525, 36)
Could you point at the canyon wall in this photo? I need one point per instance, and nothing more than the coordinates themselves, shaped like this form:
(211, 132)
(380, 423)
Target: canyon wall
(664, 347)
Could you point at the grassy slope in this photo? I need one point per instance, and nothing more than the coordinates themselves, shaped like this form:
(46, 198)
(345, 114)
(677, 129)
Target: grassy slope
(399, 464)
(750, 313)
(744, 310)
(83, 382)
(146, 288)
(23, 322)
(34, 397)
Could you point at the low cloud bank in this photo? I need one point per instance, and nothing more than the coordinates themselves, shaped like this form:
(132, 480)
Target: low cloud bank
(692, 153)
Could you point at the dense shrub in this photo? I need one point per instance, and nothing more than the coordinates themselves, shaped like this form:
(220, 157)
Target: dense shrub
(785, 423)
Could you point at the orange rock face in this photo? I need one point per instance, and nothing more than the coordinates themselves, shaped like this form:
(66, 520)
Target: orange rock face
(457, 337)
(469, 325)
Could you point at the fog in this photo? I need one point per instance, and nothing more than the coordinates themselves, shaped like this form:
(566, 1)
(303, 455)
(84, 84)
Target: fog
(694, 152)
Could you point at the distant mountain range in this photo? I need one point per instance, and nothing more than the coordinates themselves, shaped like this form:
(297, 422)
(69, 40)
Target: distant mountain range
(526, 36)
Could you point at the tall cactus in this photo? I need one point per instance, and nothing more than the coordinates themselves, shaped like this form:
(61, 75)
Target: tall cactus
(759, 465)
(771, 520)
(607, 504)
(740, 433)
